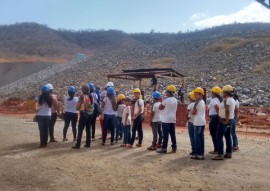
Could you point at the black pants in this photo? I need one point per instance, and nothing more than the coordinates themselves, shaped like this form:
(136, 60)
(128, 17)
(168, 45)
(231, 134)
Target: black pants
(73, 118)
(84, 122)
(213, 125)
(93, 125)
(43, 125)
(137, 126)
(51, 125)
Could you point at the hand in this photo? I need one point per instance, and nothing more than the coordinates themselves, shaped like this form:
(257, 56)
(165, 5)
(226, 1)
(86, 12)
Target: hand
(225, 122)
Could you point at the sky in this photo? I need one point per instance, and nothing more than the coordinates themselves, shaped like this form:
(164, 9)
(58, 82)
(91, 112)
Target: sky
(132, 15)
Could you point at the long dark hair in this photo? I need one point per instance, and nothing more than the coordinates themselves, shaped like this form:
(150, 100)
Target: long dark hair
(71, 96)
(113, 101)
(90, 96)
(45, 98)
(236, 97)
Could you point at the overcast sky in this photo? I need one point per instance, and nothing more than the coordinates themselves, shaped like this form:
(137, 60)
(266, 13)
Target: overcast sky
(132, 15)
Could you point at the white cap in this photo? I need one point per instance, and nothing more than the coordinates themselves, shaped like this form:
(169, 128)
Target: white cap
(50, 86)
(110, 84)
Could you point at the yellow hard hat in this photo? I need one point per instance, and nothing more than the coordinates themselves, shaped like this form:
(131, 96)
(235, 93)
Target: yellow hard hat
(199, 90)
(136, 90)
(140, 96)
(171, 88)
(216, 90)
(227, 88)
(121, 97)
(191, 95)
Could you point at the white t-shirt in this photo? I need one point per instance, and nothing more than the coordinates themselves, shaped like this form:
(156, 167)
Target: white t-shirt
(231, 103)
(211, 106)
(190, 108)
(169, 112)
(136, 107)
(126, 111)
(44, 110)
(108, 109)
(120, 110)
(199, 118)
(157, 114)
(70, 106)
(94, 96)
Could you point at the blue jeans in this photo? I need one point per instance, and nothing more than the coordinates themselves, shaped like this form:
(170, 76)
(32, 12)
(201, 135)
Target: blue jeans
(213, 125)
(127, 134)
(234, 136)
(199, 140)
(226, 132)
(191, 136)
(73, 118)
(109, 124)
(43, 125)
(168, 128)
(137, 126)
(119, 128)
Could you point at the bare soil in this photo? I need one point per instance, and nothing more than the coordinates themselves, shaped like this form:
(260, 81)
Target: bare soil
(25, 167)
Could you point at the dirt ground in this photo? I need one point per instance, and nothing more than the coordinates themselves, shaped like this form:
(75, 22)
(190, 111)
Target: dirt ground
(25, 167)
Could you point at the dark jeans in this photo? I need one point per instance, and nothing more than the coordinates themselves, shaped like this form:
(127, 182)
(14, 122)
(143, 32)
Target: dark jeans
(191, 136)
(168, 128)
(127, 134)
(109, 124)
(137, 126)
(93, 125)
(43, 125)
(226, 132)
(234, 136)
(119, 128)
(213, 125)
(73, 118)
(84, 122)
(51, 126)
(157, 133)
(199, 140)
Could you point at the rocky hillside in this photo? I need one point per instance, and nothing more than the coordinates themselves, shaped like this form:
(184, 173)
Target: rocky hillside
(235, 54)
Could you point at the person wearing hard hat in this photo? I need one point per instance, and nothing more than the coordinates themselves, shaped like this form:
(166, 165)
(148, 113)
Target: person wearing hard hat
(71, 113)
(95, 114)
(226, 114)
(155, 122)
(119, 112)
(109, 105)
(190, 118)
(55, 112)
(213, 114)
(138, 118)
(199, 123)
(168, 119)
(86, 107)
(45, 102)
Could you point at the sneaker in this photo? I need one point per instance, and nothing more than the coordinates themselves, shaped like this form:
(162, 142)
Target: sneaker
(87, 146)
(112, 143)
(40, 146)
(197, 157)
(228, 155)
(75, 147)
(173, 150)
(159, 146)
(93, 139)
(235, 149)
(192, 153)
(138, 145)
(213, 152)
(161, 151)
(129, 146)
(65, 139)
(152, 148)
(218, 157)
(53, 141)
(123, 145)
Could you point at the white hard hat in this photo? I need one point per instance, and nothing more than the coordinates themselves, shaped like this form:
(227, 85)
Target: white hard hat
(110, 84)
(50, 86)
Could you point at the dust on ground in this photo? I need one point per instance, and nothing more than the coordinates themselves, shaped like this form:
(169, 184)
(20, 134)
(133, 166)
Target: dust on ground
(25, 167)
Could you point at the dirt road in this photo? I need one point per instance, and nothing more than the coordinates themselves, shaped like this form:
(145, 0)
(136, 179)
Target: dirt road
(25, 167)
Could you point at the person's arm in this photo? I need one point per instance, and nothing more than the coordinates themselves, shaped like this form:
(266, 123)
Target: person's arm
(79, 103)
(152, 115)
(227, 114)
(139, 111)
(236, 113)
(55, 105)
(162, 105)
(216, 107)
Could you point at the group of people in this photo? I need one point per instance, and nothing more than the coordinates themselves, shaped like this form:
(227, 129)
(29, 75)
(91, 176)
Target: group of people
(123, 117)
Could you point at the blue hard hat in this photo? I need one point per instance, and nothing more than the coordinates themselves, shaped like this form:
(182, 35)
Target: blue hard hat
(91, 86)
(72, 89)
(156, 95)
(110, 90)
(45, 89)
